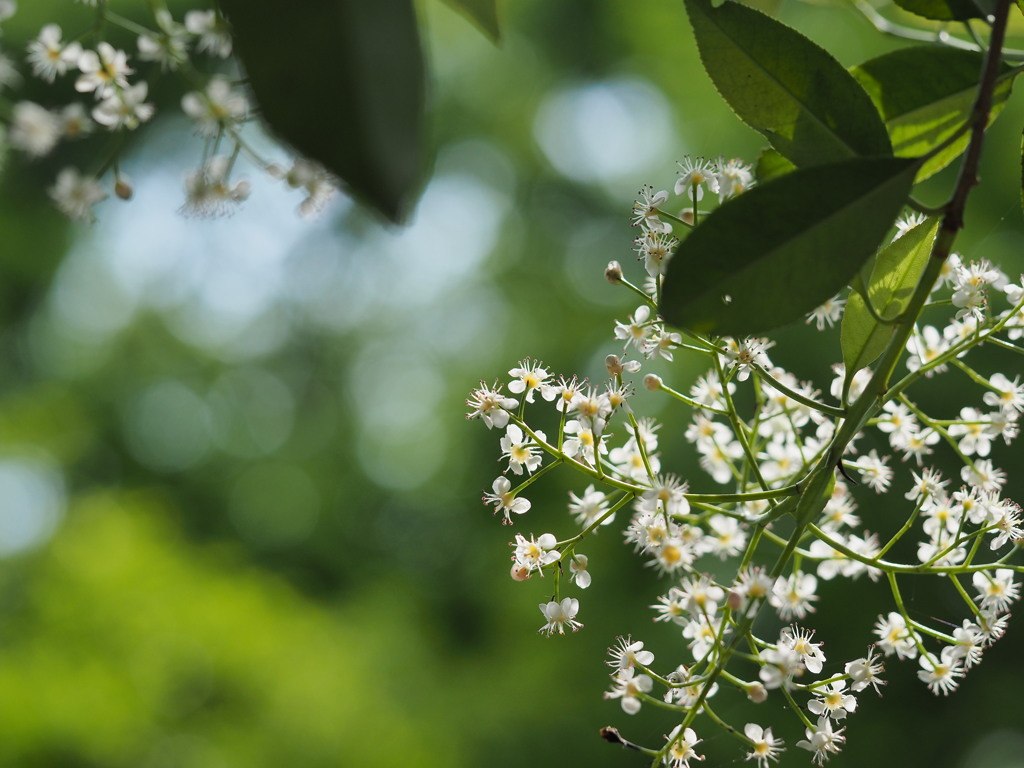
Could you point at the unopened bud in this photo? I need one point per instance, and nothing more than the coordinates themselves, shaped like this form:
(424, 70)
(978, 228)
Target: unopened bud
(653, 382)
(123, 188)
(613, 364)
(520, 572)
(613, 272)
(756, 693)
(734, 600)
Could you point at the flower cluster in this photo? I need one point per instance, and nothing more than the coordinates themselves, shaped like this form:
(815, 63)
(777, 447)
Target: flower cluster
(654, 216)
(781, 476)
(99, 89)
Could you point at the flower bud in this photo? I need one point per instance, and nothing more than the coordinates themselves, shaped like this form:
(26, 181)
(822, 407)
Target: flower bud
(613, 272)
(613, 364)
(653, 382)
(756, 692)
(734, 600)
(123, 188)
(520, 572)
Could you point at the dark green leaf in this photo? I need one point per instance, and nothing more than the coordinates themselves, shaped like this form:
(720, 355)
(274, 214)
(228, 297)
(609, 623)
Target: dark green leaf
(774, 253)
(783, 85)
(483, 13)
(897, 270)
(771, 165)
(925, 94)
(341, 81)
(949, 10)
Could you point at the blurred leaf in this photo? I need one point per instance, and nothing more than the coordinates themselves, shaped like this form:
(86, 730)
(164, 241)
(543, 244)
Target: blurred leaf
(783, 85)
(483, 13)
(949, 10)
(897, 270)
(771, 165)
(925, 94)
(47, 417)
(342, 81)
(774, 253)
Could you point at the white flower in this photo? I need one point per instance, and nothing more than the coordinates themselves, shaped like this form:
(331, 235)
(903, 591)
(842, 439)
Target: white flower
(798, 639)
(828, 313)
(490, 406)
(765, 747)
(832, 701)
(969, 643)
(215, 107)
(822, 740)
(529, 376)
(646, 209)
(590, 507)
(34, 129)
(75, 121)
(124, 108)
(864, 672)
(505, 501)
(996, 590)
(924, 347)
(562, 615)
(580, 441)
(793, 596)
(318, 184)
(533, 553)
(941, 675)
(983, 475)
(49, 57)
(680, 751)
(748, 354)
(103, 71)
(169, 46)
(628, 686)
(975, 430)
(655, 249)
(894, 637)
(212, 31)
(578, 571)
(520, 450)
(1006, 395)
(75, 195)
(628, 654)
(668, 494)
(779, 667)
(702, 632)
(209, 192)
(694, 176)
(874, 471)
(734, 177)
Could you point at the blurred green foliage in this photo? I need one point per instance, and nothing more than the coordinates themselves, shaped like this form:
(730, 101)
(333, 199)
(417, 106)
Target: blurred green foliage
(271, 549)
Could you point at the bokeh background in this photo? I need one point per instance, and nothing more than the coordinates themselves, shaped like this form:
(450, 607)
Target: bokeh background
(241, 521)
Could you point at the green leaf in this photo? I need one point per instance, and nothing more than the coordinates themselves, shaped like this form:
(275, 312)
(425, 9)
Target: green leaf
(897, 269)
(771, 165)
(783, 85)
(949, 10)
(483, 13)
(774, 253)
(925, 94)
(342, 82)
